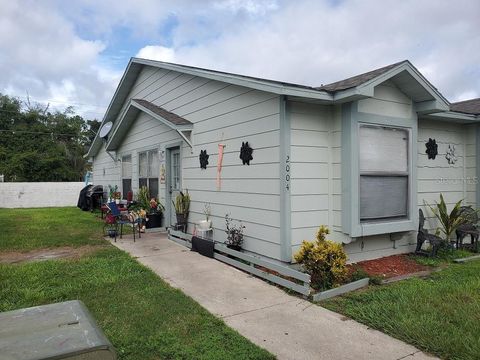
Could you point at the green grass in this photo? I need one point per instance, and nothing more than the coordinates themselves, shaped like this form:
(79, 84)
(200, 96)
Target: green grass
(142, 316)
(27, 229)
(439, 314)
(444, 256)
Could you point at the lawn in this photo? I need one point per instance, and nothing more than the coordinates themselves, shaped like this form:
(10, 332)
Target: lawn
(143, 317)
(439, 314)
(28, 229)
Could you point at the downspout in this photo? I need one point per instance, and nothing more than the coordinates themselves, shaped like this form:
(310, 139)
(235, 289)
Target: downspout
(477, 164)
(285, 183)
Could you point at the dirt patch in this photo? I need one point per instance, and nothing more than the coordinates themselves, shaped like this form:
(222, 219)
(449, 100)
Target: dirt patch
(65, 252)
(391, 266)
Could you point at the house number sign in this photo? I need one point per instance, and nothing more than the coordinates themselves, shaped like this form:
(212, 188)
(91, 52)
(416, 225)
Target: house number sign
(287, 173)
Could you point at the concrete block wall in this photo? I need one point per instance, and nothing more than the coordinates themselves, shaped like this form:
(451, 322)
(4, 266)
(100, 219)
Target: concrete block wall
(39, 194)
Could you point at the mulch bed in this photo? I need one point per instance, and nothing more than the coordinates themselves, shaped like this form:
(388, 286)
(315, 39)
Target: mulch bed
(391, 266)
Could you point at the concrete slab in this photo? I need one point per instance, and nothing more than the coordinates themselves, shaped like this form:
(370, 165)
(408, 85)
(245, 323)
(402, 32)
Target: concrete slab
(315, 333)
(287, 326)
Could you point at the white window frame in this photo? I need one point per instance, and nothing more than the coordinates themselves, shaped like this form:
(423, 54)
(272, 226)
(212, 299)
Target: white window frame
(149, 174)
(131, 172)
(386, 173)
(351, 224)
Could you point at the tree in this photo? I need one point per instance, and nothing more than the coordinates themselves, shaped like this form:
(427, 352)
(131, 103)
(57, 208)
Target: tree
(39, 145)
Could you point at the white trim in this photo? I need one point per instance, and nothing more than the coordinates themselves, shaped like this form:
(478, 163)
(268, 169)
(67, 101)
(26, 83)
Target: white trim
(258, 84)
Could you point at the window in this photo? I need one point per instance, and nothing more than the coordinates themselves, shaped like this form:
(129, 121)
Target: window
(148, 170)
(384, 173)
(126, 175)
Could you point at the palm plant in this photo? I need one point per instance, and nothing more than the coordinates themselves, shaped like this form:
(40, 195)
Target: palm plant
(449, 221)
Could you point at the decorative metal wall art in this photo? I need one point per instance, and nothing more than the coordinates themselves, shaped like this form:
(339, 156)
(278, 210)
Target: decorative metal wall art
(432, 148)
(450, 155)
(203, 159)
(246, 153)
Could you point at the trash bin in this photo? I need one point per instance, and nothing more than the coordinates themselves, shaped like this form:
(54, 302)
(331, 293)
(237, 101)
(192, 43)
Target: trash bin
(57, 331)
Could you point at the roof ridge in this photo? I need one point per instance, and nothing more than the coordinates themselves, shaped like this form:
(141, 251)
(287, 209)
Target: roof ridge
(464, 101)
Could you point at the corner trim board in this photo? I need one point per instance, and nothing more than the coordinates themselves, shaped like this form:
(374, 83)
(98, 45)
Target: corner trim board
(285, 185)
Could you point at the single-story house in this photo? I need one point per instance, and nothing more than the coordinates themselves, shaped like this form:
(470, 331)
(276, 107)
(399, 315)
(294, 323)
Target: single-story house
(360, 155)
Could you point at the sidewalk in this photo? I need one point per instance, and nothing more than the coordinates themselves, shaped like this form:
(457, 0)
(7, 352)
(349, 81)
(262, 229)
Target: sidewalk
(287, 326)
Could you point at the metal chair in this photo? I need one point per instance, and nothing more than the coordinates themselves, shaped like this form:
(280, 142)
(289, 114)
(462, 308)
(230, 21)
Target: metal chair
(468, 228)
(121, 219)
(423, 235)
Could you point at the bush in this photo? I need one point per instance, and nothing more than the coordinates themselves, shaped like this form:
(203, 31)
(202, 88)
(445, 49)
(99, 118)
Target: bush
(324, 260)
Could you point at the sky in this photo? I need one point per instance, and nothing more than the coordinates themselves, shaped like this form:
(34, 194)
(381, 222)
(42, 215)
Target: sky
(75, 52)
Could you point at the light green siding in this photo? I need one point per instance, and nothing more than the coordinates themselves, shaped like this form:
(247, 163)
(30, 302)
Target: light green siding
(221, 113)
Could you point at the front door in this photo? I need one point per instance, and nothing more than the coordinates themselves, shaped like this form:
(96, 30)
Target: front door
(174, 180)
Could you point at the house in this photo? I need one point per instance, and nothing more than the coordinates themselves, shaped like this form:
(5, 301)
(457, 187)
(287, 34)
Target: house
(350, 155)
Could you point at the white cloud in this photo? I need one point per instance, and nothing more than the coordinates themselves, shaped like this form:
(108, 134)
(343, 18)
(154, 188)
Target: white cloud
(160, 53)
(46, 46)
(44, 57)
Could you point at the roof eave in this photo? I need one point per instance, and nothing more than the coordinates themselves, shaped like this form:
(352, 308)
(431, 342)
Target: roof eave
(96, 143)
(454, 116)
(288, 90)
(439, 104)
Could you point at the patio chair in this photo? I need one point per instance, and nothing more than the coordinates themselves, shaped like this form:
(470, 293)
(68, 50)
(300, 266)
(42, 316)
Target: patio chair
(423, 235)
(120, 219)
(468, 228)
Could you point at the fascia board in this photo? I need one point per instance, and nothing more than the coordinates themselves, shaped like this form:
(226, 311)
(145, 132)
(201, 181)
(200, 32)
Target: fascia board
(241, 81)
(96, 140)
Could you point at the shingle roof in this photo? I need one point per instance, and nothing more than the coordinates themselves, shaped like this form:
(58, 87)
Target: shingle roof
(167, 115)
(358, 79)
(471, 106)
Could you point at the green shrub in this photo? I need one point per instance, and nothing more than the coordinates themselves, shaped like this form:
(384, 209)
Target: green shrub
(324, 260)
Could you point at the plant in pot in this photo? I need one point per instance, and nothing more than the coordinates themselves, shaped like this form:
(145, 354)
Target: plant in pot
(182, 207)
(117, 195)
(207, 223)
(111, 192)
(155, 214)
(234, 233)
(153, 208)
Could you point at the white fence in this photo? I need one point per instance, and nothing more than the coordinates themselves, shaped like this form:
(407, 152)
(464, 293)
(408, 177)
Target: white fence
(39, 194)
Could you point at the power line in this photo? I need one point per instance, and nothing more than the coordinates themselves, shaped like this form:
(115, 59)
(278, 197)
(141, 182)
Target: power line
(39, 132)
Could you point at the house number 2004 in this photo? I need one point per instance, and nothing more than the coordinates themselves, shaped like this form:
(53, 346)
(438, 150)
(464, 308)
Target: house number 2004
(287, 173)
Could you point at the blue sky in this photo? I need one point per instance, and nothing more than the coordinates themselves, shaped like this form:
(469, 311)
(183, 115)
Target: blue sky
(74, 52)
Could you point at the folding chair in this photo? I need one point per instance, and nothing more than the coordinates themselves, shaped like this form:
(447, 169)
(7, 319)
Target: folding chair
(122, 219)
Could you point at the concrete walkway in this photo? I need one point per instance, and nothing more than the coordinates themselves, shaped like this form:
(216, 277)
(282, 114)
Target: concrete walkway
(289, 327)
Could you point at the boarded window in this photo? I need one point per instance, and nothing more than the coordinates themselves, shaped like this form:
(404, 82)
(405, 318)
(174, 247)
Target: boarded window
(384, 164)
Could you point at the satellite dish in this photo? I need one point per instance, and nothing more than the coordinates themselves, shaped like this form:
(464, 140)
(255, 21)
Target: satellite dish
(105, 129)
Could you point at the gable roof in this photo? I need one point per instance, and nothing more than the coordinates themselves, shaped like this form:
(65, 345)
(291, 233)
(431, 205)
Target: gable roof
(167, 115)
(358, 79)
(471, 106)
(427, 98)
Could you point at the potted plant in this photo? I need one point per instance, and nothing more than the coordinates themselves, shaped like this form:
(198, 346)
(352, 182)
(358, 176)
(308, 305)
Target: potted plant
(207, 223)
(111, 192)
(153, 208)
(155, 214)
(182, 207)
(234, 233)
(117, 195)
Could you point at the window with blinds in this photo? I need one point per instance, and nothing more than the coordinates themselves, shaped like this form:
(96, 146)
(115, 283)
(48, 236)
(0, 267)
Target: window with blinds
(148, 171)
(126, 175)
(384, 172)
